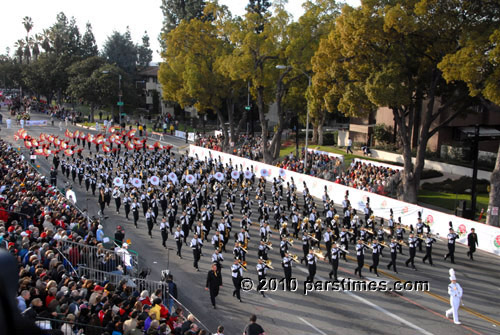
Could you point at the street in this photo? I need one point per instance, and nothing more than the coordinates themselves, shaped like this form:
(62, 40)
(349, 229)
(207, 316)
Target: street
(294, 313)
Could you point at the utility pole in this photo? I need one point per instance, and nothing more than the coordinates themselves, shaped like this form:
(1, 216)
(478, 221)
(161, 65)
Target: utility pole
(120, 102)
(475, 156)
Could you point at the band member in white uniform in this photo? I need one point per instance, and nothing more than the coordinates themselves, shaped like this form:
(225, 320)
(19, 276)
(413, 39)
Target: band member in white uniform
(455, 291)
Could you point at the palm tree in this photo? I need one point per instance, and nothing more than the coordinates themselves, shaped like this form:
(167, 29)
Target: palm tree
(19, 45)
(28, 25)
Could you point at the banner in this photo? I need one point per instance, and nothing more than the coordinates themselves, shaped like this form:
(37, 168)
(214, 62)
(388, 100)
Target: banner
(36, 122)
(182, 134)
(488, 236)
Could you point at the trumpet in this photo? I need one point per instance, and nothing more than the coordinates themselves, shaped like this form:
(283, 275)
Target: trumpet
(269, 264)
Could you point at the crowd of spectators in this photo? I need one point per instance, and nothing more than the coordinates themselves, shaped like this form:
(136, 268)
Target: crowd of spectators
(34, 218)
(320, 165)
(246, 146)
(368, 177)
(361, 175)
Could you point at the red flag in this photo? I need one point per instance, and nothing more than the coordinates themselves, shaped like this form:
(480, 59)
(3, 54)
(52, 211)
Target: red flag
(129, 145)
(131, 133)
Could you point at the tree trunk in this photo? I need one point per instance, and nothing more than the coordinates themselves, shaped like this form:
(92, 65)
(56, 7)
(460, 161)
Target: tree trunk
(320, 134)
(222, 121)
(314, 139)
(492, 220)
(230, 117)
(263, 123)
(92, 108)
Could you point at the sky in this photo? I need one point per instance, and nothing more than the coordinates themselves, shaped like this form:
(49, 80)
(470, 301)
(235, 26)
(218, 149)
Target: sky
(105, 16)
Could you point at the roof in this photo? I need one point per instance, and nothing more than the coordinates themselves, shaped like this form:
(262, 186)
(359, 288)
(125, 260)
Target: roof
(483, 131)
(150, 71)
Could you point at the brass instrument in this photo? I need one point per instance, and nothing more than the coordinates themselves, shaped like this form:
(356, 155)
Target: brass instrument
(269, 264)
(269, 245)
(342, 247)
(243, 264)
(244, 249)
(313, 238)
(221, 244)
(319, 254)
(367, 245)
(290, 240)
(245, 242)
(294, 257)
(402, 242)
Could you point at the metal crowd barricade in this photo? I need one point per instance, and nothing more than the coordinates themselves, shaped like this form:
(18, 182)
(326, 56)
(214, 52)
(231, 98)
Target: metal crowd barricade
(53, 324)
(115, 278)
(98, 258)
(101, 276)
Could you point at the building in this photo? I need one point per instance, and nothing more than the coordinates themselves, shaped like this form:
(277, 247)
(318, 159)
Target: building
(150, 85)
(453, 140)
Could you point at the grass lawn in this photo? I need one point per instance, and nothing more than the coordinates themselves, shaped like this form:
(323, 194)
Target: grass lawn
(450, 200)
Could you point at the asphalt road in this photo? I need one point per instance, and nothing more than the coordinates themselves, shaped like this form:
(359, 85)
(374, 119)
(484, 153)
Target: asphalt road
(318, 312)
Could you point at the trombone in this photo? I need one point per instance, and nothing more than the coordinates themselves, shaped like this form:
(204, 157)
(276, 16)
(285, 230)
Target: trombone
(366, 244)
(269, 264)
(294, 257)
(319, 254)
(290, 240)
(243, 264)
(269, 245)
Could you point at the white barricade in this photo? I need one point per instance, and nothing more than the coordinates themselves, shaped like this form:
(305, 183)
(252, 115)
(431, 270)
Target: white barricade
(379, 164)
(488, 236)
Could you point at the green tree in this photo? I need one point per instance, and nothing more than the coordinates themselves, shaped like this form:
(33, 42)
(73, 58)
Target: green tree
(476, 63)
(42, 76)
(305, 36)
(94, 82)
(174, 11)
(189, 74)
(120, 50)
(88, 46)
(387, 55)
(144, 52)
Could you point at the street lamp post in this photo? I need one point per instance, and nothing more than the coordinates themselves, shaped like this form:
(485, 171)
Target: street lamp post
(120, 102)
(282, 67)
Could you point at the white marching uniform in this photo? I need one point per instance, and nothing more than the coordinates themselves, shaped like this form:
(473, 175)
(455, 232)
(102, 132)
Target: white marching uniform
(455, 291)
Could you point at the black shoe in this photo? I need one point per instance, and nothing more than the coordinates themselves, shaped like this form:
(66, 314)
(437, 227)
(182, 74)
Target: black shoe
(241, 300)
(330, 274)
(234, 293)
(215, 307)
